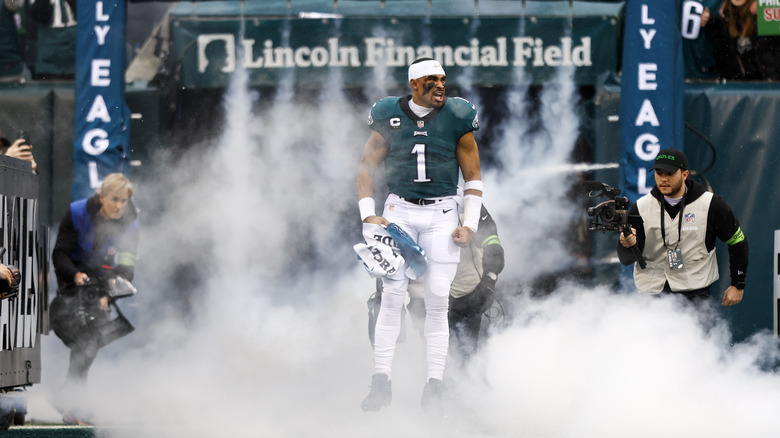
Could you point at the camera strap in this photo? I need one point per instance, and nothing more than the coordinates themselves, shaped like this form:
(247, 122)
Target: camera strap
(679, 222)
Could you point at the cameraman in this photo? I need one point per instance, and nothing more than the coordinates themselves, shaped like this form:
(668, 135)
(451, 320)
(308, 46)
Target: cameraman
(674, 227)
(97, 238)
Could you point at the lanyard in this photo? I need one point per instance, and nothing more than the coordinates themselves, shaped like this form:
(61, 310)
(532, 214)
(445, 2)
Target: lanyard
(679, 223)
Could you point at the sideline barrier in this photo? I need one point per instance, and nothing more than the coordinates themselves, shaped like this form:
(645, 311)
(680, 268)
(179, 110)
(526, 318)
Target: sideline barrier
(24, 314)
(777, 282)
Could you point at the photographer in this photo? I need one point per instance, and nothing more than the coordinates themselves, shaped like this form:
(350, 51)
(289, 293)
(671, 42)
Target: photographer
(675, 227)
(97, 240)
(18, 148)
(474, 288)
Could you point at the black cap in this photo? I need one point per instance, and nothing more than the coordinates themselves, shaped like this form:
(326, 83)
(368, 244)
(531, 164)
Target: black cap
(670, 160)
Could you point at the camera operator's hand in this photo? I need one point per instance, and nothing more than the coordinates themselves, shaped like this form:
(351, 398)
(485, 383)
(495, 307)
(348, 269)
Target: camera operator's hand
(6, 275)
(80, 278)
(9, 278)
(630, 240)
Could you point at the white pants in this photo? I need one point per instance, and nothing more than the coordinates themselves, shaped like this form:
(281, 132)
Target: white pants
(431, 226)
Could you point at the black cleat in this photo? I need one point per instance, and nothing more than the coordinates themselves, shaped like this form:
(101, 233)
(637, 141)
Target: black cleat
(380, 394)
(431, 402)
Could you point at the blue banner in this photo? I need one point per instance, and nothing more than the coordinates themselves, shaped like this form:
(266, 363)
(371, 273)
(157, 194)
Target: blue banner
(102, 119)
(651, 92)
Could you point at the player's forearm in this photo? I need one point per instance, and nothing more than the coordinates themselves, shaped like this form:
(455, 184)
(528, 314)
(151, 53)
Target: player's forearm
(365, 184)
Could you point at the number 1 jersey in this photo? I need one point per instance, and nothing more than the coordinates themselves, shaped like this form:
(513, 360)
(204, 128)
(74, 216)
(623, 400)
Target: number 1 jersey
(421, 162)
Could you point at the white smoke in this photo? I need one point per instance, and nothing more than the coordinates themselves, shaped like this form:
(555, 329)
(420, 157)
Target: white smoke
(252, 321)
(529, 190)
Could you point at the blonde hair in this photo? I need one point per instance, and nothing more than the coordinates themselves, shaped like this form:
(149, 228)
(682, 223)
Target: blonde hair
(116, 183)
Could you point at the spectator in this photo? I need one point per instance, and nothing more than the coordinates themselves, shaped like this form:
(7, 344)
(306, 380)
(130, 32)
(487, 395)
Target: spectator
(56, 42)
(17, 149)
(740, 54)
(11, 55)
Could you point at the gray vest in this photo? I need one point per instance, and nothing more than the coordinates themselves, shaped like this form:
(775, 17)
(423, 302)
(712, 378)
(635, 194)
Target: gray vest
(700, 268)
(469, 270)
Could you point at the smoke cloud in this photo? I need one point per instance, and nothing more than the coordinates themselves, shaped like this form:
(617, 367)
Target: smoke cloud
(251, 316)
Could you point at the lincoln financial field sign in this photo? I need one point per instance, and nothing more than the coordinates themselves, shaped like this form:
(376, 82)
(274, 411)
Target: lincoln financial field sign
(366, 51)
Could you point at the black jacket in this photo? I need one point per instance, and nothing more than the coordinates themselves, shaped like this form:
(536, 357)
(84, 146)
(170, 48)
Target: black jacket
(67, 239)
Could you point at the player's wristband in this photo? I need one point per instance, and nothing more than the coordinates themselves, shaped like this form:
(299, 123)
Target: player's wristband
(473, 185)
(472, 207)
(367, 207)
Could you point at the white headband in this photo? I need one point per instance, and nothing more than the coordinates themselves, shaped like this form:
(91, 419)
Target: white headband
(425, 68)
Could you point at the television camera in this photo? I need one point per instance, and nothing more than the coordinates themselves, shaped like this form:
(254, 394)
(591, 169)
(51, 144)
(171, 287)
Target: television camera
(611, 215)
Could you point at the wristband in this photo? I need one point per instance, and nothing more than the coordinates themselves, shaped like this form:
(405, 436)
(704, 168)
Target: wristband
(367, 207)
(474, 184)
(472, 207)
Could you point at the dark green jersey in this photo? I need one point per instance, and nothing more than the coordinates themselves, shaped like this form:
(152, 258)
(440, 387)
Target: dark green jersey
(421, 162)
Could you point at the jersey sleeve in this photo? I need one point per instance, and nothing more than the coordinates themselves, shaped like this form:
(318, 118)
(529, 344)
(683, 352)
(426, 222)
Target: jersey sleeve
(382, 110)
(466, 115)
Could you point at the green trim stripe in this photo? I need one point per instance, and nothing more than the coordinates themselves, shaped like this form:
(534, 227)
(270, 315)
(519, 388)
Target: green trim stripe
(738, 236)
(125, 258)
(491, 240)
